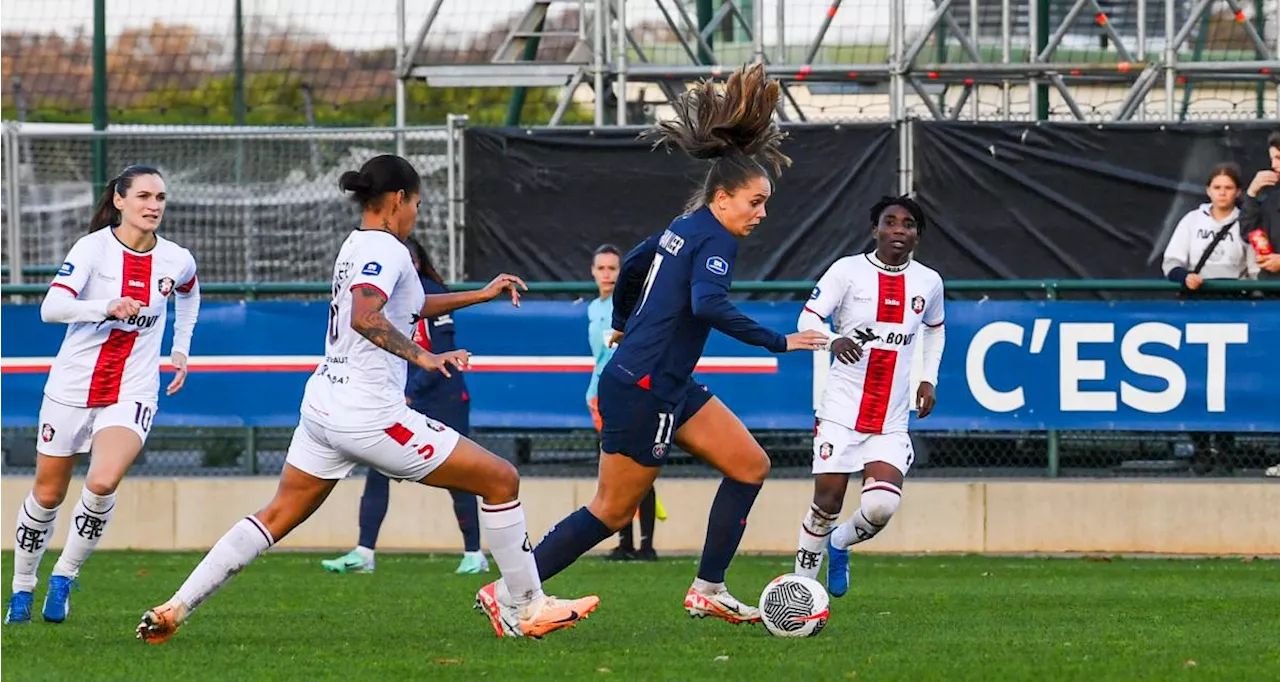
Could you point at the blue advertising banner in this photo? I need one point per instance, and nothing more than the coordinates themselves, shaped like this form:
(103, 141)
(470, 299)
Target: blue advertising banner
(1142, 366)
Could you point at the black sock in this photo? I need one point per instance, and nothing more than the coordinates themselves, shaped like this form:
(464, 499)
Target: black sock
(467, 511)
(725, 527)
(373, 507)
(648, 512)
(626, 537)
(568, 540)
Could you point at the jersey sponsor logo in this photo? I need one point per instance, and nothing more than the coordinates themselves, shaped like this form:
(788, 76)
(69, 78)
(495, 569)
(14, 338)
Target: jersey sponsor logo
(372, 268)
(892, 302)
(917, 304)
(46, 433)
(671, 242)
(899, 339)
(825, 450)
(866, 336)
(66, 269)
(817, 291)
(718, 266)
(142, 321)
(165, 286)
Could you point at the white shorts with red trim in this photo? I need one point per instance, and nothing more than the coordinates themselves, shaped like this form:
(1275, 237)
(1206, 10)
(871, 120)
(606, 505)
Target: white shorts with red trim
(410, 449)
(841, 450)
(67, 430)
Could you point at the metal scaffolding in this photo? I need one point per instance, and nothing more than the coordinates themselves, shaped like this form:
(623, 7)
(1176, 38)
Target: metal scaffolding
(1026, 63)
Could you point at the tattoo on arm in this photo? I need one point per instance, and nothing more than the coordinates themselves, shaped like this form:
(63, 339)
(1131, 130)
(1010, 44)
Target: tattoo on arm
(368, 321)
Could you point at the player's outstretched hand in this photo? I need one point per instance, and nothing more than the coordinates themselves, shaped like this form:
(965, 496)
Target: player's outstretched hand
(846, 350)
(124, 308)
(505, 282)
(458, 359)
(179, 362)
(806, 340)
(925, 400)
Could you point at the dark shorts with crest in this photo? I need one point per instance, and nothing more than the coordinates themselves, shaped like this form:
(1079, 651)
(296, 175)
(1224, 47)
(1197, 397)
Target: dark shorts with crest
(638, 424)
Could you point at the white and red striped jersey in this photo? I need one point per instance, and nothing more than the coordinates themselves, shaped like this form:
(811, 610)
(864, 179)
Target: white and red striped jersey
(359, 386)
(882, 308)
(107, 361)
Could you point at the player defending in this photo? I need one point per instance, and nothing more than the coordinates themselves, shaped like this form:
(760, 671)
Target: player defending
(112, 292)
(877, 302)
(354, 411)
(674, 289)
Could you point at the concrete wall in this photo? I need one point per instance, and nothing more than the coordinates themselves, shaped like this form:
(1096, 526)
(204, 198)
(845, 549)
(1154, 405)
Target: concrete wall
(936, 516)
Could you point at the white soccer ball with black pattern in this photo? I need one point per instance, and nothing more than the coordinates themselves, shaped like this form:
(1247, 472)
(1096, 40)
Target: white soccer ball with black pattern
(794, 606)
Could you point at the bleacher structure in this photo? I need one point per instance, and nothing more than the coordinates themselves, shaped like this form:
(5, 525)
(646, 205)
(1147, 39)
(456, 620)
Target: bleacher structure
(981, 59)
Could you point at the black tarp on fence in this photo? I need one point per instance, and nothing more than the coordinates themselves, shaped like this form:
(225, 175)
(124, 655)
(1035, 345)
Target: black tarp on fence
(1005, 200)
(540, 202)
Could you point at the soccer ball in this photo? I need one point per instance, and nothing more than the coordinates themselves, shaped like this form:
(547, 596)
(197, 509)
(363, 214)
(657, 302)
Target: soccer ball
(794, 606)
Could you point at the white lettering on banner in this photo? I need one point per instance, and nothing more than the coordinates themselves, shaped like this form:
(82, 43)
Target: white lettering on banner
(1154, 402)
(975, 367)
(1216, 337)
(1073, 370)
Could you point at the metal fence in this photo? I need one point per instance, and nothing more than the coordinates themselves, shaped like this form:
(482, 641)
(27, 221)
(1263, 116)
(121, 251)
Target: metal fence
(1093, 453)
(258, 205)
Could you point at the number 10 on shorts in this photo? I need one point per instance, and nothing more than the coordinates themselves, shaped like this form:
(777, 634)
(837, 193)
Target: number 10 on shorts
(142, 416)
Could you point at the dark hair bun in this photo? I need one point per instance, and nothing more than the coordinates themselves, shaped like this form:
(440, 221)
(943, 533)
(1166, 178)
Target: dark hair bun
(353, 181)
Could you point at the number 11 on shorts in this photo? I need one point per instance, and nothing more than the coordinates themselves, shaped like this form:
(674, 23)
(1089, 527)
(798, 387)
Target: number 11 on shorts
(666, 427)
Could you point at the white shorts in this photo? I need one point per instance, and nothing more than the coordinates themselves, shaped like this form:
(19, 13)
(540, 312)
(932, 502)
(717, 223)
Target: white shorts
(408, 450)
(67, 430)
(841, 450)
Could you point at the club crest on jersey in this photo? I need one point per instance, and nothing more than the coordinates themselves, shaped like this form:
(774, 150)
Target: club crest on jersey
(825, 450)
(165, 285)
(66, 269)
(46, 433)
(371, 268)
(917, 304)
(718, 266)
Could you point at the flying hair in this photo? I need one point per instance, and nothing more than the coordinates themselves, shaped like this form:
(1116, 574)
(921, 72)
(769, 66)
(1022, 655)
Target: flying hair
(730, 125)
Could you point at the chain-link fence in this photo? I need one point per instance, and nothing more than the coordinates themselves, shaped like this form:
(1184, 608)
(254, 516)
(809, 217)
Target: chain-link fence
(256, 205)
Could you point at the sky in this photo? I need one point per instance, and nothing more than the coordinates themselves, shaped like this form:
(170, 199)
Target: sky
(372, 23)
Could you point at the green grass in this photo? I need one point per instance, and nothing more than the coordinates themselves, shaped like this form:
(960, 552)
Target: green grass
(906, 618)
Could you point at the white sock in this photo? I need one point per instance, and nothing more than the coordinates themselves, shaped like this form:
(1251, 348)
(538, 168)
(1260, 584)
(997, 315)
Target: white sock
(241, 545)
(88, 521)
(35, 527)
(508, 540)
(879, 502)
(707, 588)
(814, 530)
(365, 553)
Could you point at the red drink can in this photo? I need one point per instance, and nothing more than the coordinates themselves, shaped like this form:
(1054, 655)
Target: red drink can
(1260, 243)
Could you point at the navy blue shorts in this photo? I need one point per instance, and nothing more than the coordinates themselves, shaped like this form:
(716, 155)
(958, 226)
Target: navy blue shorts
(640, 425)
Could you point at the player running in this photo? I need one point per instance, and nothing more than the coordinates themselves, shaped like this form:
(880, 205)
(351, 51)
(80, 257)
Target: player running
(446, 399)
(673, 289)
(112, 292)
(877, 302)
(354, 411)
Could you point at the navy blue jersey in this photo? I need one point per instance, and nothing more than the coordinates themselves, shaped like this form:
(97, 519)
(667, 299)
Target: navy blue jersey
(673, 289)
(425, 389)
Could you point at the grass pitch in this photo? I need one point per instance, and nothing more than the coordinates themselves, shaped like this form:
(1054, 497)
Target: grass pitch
(905, 618)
